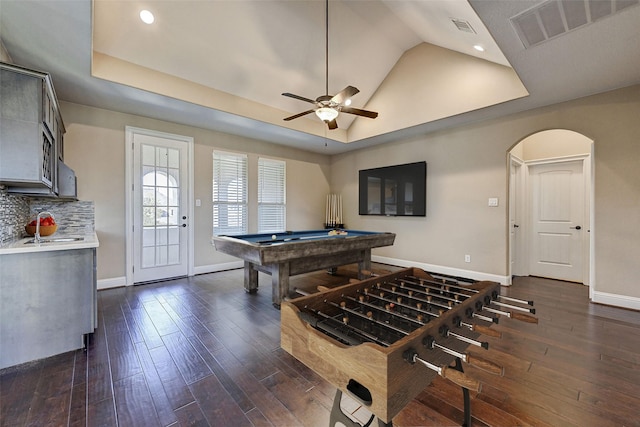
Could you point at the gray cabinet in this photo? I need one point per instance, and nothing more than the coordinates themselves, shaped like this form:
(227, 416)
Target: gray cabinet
(48, 304)
(31, 132)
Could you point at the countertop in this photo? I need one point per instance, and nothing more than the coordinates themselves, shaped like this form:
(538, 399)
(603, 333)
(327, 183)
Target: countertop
(18, 246)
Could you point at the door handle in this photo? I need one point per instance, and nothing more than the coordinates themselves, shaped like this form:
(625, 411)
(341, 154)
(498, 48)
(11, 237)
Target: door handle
(577, 227)
(516, 226)
(184, 225)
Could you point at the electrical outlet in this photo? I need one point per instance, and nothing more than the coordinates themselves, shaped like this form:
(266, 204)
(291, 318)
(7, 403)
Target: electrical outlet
(493, 202)
(467, 258)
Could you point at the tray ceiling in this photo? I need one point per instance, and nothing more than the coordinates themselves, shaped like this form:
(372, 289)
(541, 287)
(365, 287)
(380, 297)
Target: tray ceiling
(223, 65)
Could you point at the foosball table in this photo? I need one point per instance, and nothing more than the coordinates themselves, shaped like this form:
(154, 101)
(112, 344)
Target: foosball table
(384, 339)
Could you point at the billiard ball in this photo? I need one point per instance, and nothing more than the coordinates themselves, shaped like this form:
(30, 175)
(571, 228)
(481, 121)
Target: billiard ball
(274, 237)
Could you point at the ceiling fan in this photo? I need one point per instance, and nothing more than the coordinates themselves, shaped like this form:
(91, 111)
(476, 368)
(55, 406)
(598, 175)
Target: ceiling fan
(328, 107)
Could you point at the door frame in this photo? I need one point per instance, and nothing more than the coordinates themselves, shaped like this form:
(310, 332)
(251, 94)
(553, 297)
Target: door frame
(519, 249)
(588, 269)
(130, 131)
(585, 160)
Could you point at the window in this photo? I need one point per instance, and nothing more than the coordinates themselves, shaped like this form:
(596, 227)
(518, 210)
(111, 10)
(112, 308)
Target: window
(271, 195)
(229, 193)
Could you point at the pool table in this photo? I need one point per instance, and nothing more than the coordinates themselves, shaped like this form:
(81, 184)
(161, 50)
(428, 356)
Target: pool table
(295, 252)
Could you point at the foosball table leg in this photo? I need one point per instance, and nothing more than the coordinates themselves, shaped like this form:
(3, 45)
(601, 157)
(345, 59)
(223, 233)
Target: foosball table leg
(337, 416)
(465, 396)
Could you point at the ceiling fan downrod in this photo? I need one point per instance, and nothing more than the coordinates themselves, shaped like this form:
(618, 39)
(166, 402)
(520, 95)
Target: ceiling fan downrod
(326, 49)
(328, 107)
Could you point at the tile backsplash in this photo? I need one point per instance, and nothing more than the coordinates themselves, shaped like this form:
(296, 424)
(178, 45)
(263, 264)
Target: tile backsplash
(72, 217)
(14, 214)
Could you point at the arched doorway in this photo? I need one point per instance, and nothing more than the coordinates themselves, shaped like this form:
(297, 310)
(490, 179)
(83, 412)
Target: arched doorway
(550, 214)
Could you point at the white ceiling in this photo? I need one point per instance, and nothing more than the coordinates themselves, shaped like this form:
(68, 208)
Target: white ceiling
(239, 56)
(252, 51)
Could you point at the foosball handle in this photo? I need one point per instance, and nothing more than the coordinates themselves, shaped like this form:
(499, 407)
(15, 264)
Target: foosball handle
(461, 379)
(523, 317)
(484, 330)
(457, 377)
(485, 365)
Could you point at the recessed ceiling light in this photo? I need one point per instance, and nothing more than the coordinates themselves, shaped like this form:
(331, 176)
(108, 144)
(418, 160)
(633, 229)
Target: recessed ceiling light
(147, 17)
(478, 47)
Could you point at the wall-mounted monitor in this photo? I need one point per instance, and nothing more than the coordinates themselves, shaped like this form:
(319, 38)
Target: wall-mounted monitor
(399, 190)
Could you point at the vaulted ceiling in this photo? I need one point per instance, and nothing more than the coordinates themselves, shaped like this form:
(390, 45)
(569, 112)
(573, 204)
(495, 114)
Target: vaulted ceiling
(223, 65)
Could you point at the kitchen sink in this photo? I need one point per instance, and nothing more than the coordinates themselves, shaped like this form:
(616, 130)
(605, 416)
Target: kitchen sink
(55, 240)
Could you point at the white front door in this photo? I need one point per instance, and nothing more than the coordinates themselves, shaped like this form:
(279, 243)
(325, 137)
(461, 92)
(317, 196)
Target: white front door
(160, 206)
(557, 220)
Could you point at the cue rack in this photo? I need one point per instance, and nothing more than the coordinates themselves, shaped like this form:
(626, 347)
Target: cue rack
(383, 340)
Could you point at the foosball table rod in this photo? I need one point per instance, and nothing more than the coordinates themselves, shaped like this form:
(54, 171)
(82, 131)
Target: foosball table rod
(520, 301)
(486, 365)
(484, 330)
(446, 288)
(523, 317)
(452, 375)
(455, 375)
(445, 332)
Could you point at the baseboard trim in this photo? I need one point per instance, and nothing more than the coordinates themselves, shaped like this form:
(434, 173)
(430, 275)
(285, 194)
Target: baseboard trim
(476, 275)
(616, 300)
(213, 268)
(114, 282)
(117, 282)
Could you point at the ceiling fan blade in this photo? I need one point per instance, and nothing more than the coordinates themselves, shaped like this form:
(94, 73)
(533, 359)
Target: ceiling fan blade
(301, 98)
(332, 124)
(345, 94)
(359, 112)
(295, 116)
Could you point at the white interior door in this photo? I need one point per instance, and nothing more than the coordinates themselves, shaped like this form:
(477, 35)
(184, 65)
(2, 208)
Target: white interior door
(160, 206)
(557, 220)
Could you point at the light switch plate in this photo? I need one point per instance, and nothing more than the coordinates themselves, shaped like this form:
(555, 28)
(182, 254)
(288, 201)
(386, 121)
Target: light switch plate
(493, 202)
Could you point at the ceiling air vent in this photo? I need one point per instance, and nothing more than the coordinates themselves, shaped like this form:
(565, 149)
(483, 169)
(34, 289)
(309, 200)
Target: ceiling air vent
(463, 25)
(553, 18)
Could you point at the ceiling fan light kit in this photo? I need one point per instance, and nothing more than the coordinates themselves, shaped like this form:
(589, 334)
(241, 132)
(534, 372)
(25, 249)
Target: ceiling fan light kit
(326, 114)
(329, 107)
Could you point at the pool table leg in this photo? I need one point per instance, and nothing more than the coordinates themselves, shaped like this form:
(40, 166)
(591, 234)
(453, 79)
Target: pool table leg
(365, 264)
(279, 283)
(250, 278)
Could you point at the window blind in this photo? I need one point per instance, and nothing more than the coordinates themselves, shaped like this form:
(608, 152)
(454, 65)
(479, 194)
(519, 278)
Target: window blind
(229, 193)
(271, 195)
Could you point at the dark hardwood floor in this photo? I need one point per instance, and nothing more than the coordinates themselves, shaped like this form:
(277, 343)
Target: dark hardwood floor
(201, 351)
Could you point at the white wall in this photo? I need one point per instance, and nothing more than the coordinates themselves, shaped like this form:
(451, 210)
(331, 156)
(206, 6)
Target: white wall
(462, 173)
(443, 83)
(553, 143)
(468, 164)
(465, 166)
(95, 149)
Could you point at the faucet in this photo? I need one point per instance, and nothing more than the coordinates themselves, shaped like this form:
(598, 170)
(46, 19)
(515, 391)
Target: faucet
(36, 237)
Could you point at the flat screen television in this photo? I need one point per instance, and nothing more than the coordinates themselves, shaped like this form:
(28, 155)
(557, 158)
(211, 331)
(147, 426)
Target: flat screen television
(399, 190)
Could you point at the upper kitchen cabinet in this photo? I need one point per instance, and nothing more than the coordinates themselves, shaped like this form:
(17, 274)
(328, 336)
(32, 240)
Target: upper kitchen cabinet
(31, 133)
